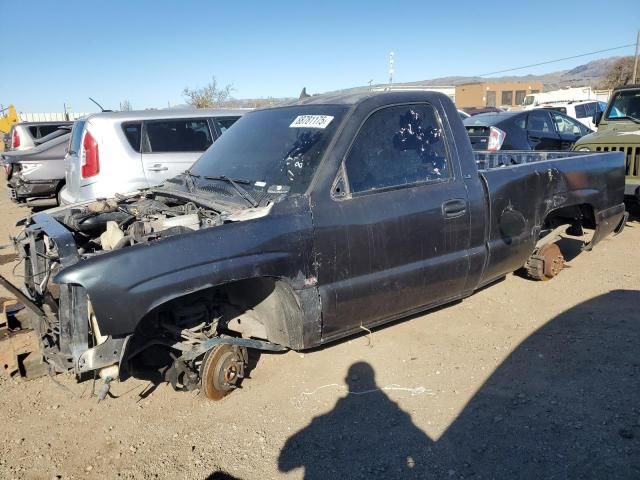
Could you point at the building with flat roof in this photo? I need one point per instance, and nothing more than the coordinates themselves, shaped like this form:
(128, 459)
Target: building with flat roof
(489, 94)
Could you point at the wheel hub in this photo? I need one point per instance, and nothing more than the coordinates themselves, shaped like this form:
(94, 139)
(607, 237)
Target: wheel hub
(222, 370)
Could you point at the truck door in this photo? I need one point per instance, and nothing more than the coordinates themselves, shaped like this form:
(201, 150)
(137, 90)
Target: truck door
(393, 235)
(540, 131)
(171, 146)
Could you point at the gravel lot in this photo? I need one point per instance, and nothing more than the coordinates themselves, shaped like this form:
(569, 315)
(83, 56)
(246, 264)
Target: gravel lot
(522, 380)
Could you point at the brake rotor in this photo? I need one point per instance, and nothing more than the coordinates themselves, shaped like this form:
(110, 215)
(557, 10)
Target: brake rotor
(553, 259)
(545, 263)
(221, 371)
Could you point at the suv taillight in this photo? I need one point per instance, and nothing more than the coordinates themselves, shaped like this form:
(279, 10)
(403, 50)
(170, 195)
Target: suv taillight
(15, 139)
(496, 138)
(89, 157)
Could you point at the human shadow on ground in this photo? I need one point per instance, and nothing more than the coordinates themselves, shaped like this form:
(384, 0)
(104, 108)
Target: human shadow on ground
(564, 404)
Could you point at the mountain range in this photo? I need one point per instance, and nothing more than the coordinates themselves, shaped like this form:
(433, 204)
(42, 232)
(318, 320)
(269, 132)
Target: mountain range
(589, 74)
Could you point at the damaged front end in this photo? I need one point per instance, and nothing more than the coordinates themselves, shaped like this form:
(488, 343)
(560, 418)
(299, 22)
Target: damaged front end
(187, 336)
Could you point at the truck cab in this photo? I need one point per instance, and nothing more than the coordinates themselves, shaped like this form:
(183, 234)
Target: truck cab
(619, 131)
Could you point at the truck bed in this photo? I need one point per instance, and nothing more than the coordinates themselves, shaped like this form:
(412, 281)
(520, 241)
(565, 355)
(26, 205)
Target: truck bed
(513, 180)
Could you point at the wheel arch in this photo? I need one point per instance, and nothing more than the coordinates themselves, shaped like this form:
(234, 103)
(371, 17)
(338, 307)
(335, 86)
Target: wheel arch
(272, 301)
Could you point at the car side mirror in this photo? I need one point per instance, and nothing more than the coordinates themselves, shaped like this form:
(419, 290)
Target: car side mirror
(597, 117)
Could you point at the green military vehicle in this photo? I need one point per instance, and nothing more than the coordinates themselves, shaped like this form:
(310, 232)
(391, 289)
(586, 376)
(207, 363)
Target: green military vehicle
(619, 131)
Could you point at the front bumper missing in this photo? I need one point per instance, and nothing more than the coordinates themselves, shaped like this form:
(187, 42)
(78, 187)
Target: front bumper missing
(62, 319)
(63, 335)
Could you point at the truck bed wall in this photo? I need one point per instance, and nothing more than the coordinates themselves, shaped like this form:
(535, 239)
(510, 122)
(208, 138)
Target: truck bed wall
(537, 188)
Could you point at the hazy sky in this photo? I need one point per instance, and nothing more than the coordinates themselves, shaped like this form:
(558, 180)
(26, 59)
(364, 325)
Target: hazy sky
(148, 51)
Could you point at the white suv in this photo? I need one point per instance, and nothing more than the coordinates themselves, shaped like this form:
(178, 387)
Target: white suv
(582, 111)
(120, 152)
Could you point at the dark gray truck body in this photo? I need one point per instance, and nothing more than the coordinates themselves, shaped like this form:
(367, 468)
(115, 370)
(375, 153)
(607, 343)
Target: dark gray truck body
(319, 264)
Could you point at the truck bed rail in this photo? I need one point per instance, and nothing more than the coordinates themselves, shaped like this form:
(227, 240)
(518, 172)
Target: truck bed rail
(489, 160)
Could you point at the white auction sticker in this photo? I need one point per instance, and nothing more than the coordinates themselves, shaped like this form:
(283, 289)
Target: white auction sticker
(311, 121)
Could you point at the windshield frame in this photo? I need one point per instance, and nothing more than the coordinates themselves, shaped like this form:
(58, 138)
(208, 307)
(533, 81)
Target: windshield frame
(342, 112)
(610, 106)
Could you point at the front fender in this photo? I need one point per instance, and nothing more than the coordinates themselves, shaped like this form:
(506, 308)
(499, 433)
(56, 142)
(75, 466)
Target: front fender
(125, 285)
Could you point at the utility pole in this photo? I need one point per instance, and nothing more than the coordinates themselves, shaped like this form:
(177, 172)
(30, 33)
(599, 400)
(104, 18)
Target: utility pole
(391, 62)
(635, 62)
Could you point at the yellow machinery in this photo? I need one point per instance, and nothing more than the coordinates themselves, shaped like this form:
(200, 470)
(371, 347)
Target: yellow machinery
(8, 116)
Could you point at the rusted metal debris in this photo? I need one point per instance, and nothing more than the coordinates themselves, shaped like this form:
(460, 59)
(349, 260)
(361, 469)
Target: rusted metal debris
(19, 347)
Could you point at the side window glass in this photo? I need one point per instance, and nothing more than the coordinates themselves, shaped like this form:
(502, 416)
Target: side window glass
(224, 124)
(398, 146)
(133, 133)
(179, 135)
(581, 111)
(539, 122)
(566, 126)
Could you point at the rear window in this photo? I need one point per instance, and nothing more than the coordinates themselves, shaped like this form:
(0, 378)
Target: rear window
(486, 119)
(178, 135)
(76, 137)
(39, 131)
(47, 129)
(224, 124)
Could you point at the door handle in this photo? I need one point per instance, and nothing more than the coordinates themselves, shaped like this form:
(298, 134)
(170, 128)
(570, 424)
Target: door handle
(454, 208)
(533, 138)
(157, 168)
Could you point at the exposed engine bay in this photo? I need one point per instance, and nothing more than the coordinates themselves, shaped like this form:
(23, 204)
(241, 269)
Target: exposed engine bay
(112, 224)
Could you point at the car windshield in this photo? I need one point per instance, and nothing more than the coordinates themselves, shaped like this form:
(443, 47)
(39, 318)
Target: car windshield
(624, 104)
(276, 150)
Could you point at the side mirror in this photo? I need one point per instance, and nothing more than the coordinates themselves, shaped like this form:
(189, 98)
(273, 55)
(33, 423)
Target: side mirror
(597, 117)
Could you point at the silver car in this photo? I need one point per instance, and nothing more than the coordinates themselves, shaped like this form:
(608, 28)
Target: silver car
(26, 135)
(39, 171)
(121, 152)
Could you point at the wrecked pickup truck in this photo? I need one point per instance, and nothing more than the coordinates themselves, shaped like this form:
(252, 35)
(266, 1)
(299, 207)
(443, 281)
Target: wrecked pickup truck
(301, 225)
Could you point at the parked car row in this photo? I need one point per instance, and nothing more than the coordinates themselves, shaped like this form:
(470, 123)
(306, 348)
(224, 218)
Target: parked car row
(300, 225)
(538, 129)
(108, 153)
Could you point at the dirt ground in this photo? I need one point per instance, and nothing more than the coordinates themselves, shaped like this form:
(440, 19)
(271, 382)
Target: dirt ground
(522, 380)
